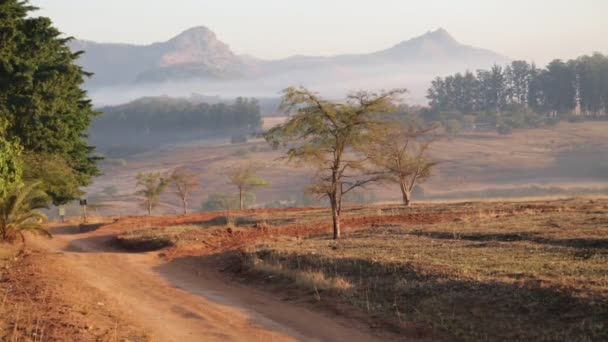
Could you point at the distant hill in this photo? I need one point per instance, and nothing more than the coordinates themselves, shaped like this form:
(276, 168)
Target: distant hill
(195, 53)
(199, 58)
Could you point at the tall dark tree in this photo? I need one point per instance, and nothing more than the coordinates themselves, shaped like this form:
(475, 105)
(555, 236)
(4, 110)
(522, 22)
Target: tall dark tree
(40, 90)
(558, 83)
(593, 83)
(518, 77)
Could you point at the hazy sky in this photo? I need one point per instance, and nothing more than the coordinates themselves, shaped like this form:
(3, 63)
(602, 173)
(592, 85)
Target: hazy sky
(531, 29)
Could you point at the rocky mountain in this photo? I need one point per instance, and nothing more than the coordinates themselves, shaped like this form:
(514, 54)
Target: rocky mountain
(195, 60)
(195, 53)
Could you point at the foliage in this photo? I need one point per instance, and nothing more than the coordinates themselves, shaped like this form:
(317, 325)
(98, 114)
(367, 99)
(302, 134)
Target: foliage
(11, 167)
(521, 89)
(184, 182)
(151, 185)
(244, 177)
(58, 179)
(328, 136)
(401, 155)
(18, 212)
(153, 115)
(40, 91)
(221, 201)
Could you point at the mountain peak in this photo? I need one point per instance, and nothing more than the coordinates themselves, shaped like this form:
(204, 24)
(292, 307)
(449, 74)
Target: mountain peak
(197, 33)
(440, 35)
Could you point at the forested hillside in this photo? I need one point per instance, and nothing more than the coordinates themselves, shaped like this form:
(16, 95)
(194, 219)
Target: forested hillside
(523, 95)
(153, 120)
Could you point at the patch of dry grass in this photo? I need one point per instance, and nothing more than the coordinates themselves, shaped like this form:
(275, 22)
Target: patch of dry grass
(499, 271)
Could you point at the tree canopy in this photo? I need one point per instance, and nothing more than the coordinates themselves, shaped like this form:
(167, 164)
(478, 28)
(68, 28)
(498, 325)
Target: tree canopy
(152, 115)
(522, 95)
(327, 136)
(41, 95)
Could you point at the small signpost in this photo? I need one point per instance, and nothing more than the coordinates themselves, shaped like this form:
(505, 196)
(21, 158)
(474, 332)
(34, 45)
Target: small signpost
(83, 205)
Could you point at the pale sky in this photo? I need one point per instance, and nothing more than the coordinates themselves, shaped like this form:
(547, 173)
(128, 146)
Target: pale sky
(537, 30)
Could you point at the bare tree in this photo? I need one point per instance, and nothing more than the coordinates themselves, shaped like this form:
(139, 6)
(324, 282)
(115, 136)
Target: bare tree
(184, 182)
(244, 177)
(401, 155)
(151, 185)
(328, 136)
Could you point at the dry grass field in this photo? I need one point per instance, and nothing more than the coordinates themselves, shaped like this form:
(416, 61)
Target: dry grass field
(473, 165)
(491, 270)
(530, 270)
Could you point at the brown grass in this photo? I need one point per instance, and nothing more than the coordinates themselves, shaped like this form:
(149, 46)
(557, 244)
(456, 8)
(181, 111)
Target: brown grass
(498, 271)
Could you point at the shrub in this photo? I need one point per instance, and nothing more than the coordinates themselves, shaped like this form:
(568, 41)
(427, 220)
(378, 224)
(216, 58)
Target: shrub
(18, 212)
(504, 129)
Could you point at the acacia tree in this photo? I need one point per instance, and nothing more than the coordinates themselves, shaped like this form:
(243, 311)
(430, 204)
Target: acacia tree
(328, 136)
(151, 185)
(184, 182)
(245, 178)
(401, 155)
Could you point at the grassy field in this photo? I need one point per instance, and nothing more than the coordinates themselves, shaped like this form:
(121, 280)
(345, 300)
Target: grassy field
(527, 271)
(519, 270)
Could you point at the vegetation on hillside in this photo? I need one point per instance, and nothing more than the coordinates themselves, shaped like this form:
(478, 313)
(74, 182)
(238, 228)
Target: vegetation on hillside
(523, 95)
(155, 115)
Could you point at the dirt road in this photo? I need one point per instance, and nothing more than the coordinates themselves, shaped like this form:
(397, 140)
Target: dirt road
(186, 300)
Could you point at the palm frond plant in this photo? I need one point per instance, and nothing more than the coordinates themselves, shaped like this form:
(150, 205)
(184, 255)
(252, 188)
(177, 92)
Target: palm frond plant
(19, 214)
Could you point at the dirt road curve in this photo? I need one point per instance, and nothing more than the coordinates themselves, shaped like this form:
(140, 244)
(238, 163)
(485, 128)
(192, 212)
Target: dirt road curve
(182, 301)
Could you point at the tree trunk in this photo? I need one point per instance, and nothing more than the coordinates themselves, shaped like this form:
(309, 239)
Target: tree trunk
(407, 195)
(240, 199)
(335, 216)
(149, 209)
(185, 204)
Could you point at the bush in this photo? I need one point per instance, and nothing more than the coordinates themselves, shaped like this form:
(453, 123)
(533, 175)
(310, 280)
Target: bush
(504, 129)
(222, 201)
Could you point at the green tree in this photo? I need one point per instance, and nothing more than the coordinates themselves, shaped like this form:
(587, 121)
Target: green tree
(328, 136)
(40, 90)
(58, 179)
(18, 212)
(558, 84)
(151, 186)
(11, 166)
(244, 177)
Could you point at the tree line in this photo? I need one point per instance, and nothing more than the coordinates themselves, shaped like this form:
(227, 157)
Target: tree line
(158, 114)
(523, 95)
